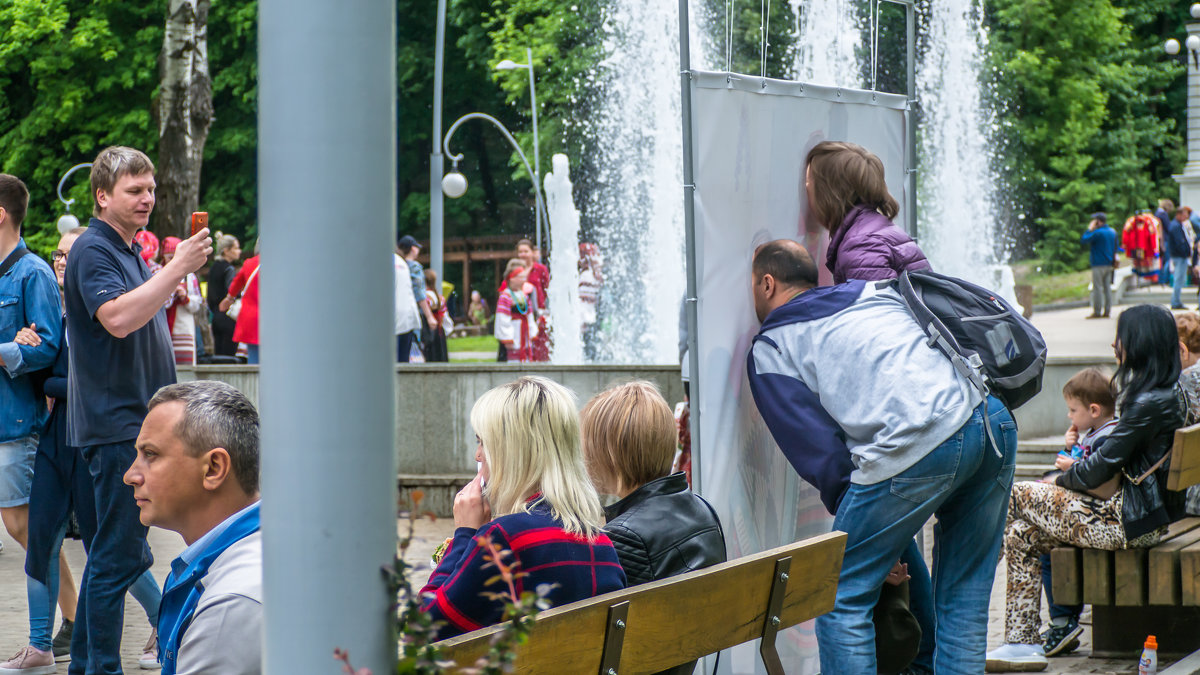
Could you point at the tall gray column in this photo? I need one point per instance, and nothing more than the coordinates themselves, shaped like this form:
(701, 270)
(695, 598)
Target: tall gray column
(327, 213)
(1189, 180)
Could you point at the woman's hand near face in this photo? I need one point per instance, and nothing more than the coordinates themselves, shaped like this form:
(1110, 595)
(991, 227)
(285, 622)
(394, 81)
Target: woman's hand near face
(470, 508)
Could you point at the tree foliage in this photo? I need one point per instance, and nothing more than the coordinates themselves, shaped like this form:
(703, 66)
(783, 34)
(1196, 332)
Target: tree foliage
(1081, 88)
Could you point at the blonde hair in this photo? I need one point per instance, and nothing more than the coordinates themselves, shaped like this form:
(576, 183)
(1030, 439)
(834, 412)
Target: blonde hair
(512, 266)
(628, 436)
(529, 430)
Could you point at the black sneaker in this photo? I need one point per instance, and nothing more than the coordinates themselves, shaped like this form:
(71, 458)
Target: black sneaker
(62, 641)
(1061, 639)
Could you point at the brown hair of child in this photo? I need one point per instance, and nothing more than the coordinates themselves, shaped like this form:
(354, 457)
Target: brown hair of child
(1092, 385)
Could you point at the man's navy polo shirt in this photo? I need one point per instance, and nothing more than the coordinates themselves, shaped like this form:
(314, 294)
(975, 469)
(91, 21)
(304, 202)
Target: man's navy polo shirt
(110, 379)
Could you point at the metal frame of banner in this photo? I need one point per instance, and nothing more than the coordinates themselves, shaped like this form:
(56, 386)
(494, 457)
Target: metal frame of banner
(689, 186)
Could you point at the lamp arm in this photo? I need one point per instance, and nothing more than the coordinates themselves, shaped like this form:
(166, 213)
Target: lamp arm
(457, 157)
(63, 180)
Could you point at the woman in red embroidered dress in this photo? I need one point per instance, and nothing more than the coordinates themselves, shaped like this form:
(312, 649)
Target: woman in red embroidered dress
(516, 315)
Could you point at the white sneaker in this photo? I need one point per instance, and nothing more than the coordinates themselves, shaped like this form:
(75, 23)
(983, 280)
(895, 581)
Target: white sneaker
(149, 657)
(29, 661)
(1011, 658)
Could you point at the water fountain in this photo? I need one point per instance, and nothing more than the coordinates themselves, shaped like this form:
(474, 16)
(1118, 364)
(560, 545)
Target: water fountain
(564, 264)
(636, 206)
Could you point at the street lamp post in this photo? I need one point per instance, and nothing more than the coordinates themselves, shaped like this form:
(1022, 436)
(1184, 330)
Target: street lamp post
(437, 226)
(454, 184)
(67, 221)
(508, 64)
(1189, 180)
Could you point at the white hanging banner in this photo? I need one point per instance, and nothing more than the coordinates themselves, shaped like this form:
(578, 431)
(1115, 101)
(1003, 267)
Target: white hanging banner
(750, 137)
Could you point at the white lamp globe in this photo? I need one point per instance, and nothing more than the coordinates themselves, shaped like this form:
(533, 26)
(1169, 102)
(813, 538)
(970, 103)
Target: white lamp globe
(1172, 46)
(509, 64)
(1196, 11)
(1193, 42)
(66, 223)
(454, 185)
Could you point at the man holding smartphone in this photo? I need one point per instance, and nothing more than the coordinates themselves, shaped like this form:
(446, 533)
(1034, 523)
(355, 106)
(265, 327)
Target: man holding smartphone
(120, 355)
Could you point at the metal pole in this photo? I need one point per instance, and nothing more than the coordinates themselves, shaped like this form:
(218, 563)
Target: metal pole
(910, 150)
(327, 91)
(537, 164)
(539, 204)
(436, 211)
(689, 228)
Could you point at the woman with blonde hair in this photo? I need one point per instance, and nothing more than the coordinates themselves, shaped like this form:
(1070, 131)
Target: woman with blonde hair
(531, 497)
(849, 197)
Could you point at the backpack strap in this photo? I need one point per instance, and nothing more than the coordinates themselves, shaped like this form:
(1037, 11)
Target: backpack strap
(943, 340)
(17, 254)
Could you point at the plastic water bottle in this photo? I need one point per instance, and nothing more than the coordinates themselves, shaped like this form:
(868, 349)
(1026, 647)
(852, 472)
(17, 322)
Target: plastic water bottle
(1148, 664)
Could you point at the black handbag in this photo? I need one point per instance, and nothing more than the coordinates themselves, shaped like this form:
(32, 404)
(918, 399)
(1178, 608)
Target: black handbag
(897, 632)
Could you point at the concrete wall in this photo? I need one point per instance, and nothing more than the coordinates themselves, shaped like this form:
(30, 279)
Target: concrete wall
(435, 445)
(1046, 414)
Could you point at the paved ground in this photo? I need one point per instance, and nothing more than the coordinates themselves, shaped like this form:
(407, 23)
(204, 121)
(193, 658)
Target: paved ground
(14, 622)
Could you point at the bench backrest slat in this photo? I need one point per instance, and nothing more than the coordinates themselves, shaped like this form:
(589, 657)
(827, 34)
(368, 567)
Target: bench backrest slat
(675, 620)
(1185, 459)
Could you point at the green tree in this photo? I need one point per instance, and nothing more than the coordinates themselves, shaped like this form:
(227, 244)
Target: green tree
(1082, 111)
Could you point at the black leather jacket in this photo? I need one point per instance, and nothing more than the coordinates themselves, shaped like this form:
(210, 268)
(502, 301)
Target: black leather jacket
(663, 529)
(1143, 435)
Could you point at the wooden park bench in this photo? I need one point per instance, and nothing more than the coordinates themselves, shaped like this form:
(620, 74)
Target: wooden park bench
(662, 624)
(1140, 592)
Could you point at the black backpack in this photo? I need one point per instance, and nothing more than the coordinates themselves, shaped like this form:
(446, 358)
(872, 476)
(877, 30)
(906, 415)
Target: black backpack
(988, 342)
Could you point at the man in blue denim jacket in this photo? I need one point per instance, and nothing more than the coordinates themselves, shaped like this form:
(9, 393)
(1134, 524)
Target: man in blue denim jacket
(28, 299)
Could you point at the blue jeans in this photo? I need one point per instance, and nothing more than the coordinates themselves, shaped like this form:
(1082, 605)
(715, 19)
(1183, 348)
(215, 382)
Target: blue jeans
(920, 603)
(404, 346)
(251, 355)
(1070, 612)
(43, 599)
(1178, 278)
(119, 555)
(965, 483)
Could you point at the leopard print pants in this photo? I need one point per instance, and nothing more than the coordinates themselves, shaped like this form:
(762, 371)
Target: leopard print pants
(1040, 517)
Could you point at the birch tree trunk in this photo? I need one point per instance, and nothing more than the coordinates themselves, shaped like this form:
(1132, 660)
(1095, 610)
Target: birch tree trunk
(184, 113)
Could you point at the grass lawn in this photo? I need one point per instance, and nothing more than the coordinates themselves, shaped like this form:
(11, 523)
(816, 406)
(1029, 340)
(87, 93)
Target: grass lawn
(473, 343)
(1051, 288)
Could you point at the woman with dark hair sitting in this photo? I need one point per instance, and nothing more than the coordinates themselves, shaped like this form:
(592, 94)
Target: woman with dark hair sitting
(1071, 510)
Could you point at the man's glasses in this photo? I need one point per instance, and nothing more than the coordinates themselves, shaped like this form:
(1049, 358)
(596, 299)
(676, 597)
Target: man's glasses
(57, 255)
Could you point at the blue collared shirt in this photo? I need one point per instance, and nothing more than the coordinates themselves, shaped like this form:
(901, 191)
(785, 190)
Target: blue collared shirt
(189, 554)
(28, 295)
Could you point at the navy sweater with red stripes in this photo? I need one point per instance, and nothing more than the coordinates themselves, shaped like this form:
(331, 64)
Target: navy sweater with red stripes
(543, 550)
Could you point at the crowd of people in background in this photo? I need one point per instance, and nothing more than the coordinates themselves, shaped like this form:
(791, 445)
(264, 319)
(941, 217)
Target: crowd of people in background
(98, 442)
(1160, 248)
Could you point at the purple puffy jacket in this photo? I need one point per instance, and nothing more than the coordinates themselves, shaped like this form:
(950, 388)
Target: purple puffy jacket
(870, 247)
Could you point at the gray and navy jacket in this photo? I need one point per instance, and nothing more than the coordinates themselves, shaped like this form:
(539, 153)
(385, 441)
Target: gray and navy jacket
(849, 389)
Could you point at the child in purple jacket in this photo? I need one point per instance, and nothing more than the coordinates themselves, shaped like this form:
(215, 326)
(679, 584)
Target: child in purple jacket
(849, 197)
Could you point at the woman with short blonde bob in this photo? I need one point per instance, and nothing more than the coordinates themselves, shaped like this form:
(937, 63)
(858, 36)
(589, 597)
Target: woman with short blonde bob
(849, 197)
(659, 527)
(531, 497)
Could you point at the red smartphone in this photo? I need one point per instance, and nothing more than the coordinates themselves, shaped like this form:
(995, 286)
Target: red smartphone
(199, 221)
